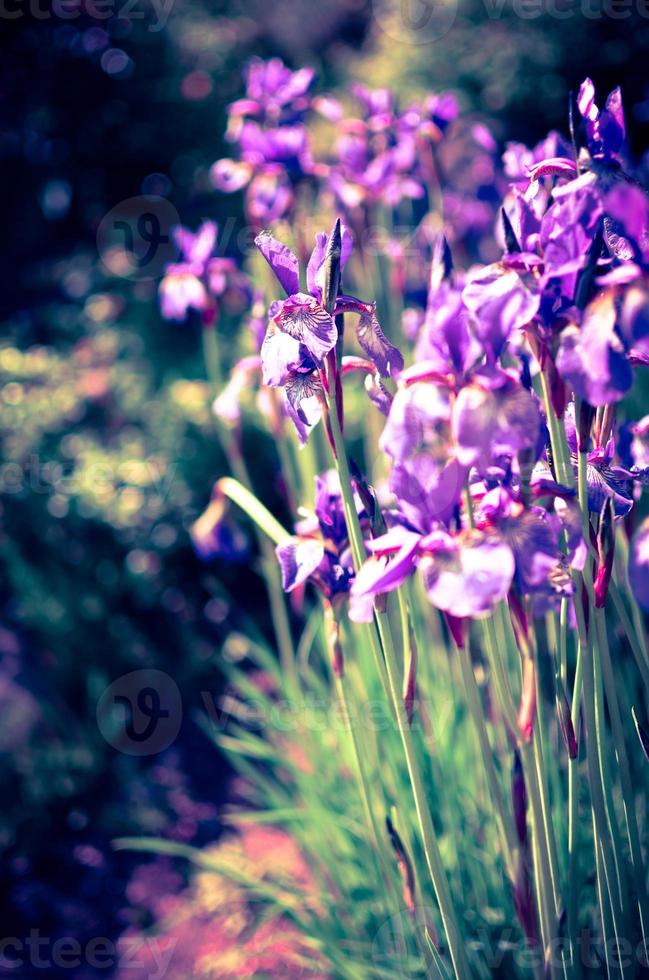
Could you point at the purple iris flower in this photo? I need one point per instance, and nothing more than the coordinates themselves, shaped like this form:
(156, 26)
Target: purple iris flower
(301, 332)
(605, 129)
(319, 551)
(494, 415)
(533, 534)
(273, 146)
(215, 535)
(605, 480)
(593, 358)
(200, 279)
(183, 286)
(500, 303)
(464, 575)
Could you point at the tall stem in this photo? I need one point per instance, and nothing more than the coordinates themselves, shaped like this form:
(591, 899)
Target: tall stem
(385, 654)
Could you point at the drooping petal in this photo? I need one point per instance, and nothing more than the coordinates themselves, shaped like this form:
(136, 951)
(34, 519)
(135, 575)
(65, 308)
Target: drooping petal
(282, 261)
(386, 356)
(428, 490)
(592, 358)
(418, 411)
(226, 405)
(215, 535)
(230, 175)
(298, 559)
(487, 423)
(604, 485)
(501, 303)
(380, 574)
(181, 291)
(309, 415)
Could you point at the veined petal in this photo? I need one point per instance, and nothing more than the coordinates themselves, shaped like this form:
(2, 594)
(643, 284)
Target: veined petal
(282, 261)
(302, 317)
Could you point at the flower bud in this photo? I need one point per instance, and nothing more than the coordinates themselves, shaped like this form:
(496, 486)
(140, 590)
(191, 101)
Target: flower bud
(332, 638)
(519, 799)
(405, 867)
(564, 716)
(527, 707)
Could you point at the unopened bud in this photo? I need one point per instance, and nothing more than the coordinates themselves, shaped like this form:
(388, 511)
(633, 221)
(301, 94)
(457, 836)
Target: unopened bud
(564, 716)
(527, 707)
(405, 867)
(519, 799)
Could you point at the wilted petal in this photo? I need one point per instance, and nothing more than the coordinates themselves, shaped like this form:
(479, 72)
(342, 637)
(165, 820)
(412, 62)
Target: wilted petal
(282, 261)
(298, 558)
(639, 564)
(376, 345)
(470, 576)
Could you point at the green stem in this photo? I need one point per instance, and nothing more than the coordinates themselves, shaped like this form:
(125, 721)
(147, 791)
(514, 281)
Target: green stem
(623, 767)
(573, 814)
(474, 702)
(385, 655)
